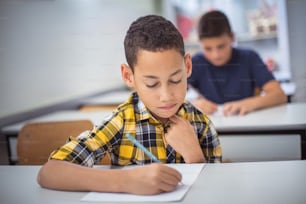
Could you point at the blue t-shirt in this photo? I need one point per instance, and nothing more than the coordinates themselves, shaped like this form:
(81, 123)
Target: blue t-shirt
(235, 80)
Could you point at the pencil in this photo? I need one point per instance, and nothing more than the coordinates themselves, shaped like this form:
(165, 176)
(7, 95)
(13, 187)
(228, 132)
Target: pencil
(145, 150)
(139, 145)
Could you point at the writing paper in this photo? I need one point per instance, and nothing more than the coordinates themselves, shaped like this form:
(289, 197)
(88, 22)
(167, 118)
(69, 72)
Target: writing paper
(190, 172)
(219, 111)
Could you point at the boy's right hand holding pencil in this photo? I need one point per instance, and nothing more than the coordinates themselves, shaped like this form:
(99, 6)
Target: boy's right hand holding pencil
(152, 179)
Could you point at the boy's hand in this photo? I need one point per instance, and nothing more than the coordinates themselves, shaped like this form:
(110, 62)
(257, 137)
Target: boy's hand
(152, 179)
(205, 105)
(240, 107)
(182, 137)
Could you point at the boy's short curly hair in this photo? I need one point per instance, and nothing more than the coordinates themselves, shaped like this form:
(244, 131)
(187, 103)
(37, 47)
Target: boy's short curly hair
(152, 33)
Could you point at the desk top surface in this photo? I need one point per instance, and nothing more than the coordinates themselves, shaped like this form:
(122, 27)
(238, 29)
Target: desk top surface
(112, 98)
(258, 182)
(285, 117)
(96, 117)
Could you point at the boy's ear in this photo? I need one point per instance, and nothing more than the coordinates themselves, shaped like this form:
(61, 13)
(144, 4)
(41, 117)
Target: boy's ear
(232, 36)
(188, 64)
(127, 75)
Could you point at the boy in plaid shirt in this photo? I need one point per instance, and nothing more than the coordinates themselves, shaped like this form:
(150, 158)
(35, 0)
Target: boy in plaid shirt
(156, 114)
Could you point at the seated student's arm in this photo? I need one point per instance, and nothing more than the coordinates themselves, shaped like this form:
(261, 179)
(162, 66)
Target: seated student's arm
(194, 148)
(182, 137)
(146, 180)
(205, 105)
(273, 95)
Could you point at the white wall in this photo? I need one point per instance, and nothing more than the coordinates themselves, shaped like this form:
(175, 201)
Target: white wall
(297, 42)
(56, 50)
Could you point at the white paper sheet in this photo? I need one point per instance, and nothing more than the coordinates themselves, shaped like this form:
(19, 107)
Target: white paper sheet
(219, 111)
(190, 173)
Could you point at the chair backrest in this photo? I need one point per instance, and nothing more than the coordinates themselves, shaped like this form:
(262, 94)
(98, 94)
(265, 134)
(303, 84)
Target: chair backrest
(36, 141)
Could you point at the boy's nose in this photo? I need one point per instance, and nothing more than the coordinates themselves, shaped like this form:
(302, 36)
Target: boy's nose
(215, 54)
(165, 94)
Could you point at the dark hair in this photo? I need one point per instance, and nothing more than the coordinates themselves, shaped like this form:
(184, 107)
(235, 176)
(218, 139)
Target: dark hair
(213, 24)
(152, 33)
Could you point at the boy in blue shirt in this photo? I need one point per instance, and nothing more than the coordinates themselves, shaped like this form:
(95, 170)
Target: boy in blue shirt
(156, 114)
(229, 76)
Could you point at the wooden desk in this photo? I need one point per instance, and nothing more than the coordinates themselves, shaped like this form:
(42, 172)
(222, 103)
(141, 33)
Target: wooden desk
(291, 116)
(276, 133)
(289, 89)
(258, 182)
(252, 183)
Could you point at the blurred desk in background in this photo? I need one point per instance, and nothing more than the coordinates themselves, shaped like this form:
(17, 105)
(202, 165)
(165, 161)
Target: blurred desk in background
(276, 133)
(107, 101)
(289, 89)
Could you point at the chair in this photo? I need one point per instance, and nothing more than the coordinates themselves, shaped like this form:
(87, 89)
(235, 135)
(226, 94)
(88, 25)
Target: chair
(36, 141)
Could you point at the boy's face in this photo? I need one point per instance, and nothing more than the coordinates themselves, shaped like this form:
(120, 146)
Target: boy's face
(160, 79)
(218, 50)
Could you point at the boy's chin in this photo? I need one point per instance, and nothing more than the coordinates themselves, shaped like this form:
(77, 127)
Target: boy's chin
(163, 117)
(218, 64)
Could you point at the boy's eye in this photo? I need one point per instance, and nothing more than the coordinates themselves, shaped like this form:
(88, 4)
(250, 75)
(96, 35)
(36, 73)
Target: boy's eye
(207, 49)
(221, 47)
(176, 82)
(156, 84)
(151, 85)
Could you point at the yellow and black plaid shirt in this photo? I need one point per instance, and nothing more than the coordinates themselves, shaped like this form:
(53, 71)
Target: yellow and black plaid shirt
(133, 117)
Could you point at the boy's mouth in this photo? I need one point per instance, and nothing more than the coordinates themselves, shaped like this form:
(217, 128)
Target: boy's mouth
(167, 107)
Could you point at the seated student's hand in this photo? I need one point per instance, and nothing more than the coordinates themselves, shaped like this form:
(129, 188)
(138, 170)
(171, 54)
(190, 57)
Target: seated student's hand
(205, 105)
(152, 179)
(240, 107)
(182, 137)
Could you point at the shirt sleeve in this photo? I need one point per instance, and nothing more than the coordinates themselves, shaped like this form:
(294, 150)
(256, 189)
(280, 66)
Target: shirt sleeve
(208, 137)
(259, 70)
(211, 146)
(90, 147)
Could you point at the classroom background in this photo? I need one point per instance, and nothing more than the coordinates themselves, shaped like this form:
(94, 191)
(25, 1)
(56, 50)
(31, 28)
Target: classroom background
(54, 52)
